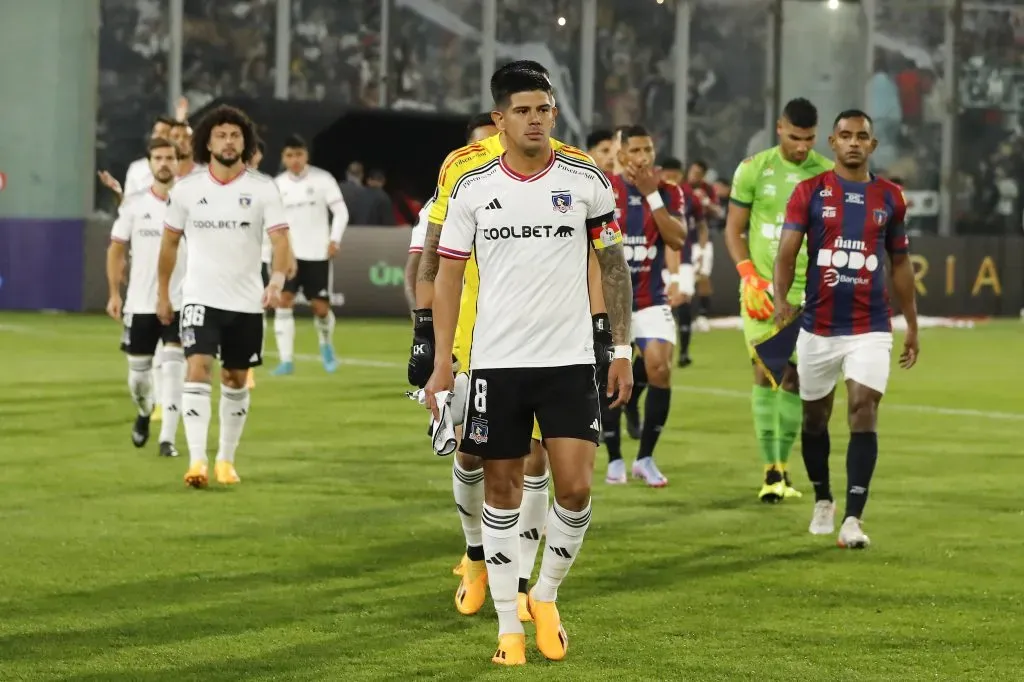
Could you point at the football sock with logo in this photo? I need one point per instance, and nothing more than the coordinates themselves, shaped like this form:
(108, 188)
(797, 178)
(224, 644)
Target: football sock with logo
(468, 491)
(532, 514)
(501, 547)
(611, 429)
(173, 384)
(234, 409)
(564, 538)
(764, 403)
(157, 379)
(284, 332)
(140, 382)
(816, 447)
(325, 328)
(684, 318)
(655, 415)
(791, 416)
(639, 384)
(861, 456)
(195, 408)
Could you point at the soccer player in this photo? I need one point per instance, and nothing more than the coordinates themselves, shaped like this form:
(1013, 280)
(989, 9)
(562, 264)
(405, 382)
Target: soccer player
(308, 193)
(479, 128)
(651, 215)
(223, 213)
(532, 341)
(139, 226)
(265, 254)
(704, 249)
(761, 187)
(851, 220)
(467, 473)
(601, 146)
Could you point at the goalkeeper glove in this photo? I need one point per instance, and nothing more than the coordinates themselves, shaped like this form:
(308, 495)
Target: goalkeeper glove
(603, 347)
(755, 292)
(421, 355)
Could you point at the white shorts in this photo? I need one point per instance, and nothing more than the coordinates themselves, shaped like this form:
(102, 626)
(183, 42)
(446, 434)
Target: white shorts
(655, 322)
(863, 358)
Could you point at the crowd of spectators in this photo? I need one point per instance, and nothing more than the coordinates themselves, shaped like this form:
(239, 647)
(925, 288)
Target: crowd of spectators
(433, 64)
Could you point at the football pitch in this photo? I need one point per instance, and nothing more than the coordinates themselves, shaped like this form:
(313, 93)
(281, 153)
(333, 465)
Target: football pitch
(332, 560)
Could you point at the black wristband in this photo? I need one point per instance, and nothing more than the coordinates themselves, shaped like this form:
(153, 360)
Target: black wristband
(422, 316)
(602, 323)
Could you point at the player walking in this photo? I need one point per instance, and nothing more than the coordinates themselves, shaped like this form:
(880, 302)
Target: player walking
(532, 344)
(139, 226)
(651, 215)
(308, 193)
(223, 213)
(757, 205)
(851, 220)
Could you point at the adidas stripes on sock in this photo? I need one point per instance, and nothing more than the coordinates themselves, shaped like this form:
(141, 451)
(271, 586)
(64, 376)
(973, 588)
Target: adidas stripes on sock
(501, 549)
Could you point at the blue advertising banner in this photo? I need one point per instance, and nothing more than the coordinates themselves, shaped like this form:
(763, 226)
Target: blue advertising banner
(42, 264)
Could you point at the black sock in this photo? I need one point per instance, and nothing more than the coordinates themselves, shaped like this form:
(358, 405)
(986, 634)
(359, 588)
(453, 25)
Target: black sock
(816, 448)
(860, 465)
(524, 588)
(684, 316)
(475, 552)
(705, 305)
(639, 384)
(611, 430)
(655, 416)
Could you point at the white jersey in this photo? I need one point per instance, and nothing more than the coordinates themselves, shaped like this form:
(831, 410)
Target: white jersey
(419, 232)
(306, 199)
(139, 224)
(138, 177)
(224, 224)
(531, 238)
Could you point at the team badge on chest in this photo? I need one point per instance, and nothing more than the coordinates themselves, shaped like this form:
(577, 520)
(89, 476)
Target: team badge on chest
(245, 201)
(561, 201)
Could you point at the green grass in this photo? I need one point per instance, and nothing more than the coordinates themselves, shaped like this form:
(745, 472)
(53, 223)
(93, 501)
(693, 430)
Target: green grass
(332, 560)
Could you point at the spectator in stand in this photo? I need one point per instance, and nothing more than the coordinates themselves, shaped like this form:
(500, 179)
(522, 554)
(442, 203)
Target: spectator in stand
(355, 195)
(381, 210)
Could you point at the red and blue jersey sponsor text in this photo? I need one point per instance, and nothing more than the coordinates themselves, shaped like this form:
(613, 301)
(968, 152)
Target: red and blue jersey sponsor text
(849, 227)
(642, 242)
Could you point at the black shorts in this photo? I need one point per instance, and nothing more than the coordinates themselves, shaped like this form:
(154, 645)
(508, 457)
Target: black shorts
(313, 278)
(142, 331)
(238, 337)
(502, 403)
(265, 273)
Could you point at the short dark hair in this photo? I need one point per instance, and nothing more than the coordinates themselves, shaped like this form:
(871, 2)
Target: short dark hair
(801, 113)
(376, 174)
(516, 77)
(223, 115)
(700, 163)
(161, 143)
(852, 113)
(178, 124)
(634, 131)
(478, 121)
(671, 163)
(294, 141)
(166, 120)
(598, 136)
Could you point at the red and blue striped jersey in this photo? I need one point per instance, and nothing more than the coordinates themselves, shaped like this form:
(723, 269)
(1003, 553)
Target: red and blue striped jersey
(850, 227)
(643, 245)
(695, 214)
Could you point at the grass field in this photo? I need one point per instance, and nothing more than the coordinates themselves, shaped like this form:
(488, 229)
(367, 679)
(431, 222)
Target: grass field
(332, 560)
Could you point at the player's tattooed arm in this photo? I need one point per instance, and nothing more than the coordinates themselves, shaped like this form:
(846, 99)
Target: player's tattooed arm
(618, 291)
(429, 263)
(412, 267)
(736, 222)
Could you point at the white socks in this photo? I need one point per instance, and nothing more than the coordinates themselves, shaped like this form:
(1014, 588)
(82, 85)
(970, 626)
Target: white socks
(501, 549)
(325, 328)
(532, 515)
(468, 490)
(195, 406)
(284, 331)
(140, 382)
(157, 379)
(565, 531)
(172, 374)
(234, 408)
